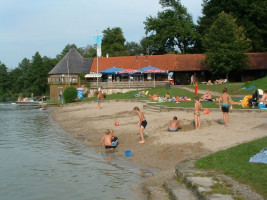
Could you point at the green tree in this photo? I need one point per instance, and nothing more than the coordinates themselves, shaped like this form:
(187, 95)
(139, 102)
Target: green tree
(172, 28)
(133, 48)
(252, 15)
(33, 79)
(4, 81)
(113, 42)
(90, 51)
(16, 80)
(225, 44)
(150, 48)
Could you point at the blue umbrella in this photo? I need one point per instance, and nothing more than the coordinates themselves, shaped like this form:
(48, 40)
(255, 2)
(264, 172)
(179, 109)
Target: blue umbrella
(111, 70)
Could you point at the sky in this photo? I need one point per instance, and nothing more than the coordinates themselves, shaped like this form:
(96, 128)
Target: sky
(47, 26)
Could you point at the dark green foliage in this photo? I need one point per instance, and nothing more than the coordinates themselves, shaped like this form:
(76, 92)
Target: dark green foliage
(225, 44)
(173, 27)
(133, 48)
(252, 15)
(89, 51)
(70, 94)
(4, 83)
(234, 162)
(113, 42)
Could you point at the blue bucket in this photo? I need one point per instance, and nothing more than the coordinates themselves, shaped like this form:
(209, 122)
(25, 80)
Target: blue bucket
(128, 153)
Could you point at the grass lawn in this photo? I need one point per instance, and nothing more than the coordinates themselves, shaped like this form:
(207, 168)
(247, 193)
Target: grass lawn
(234, 162)
(234, 87)
(162, 91)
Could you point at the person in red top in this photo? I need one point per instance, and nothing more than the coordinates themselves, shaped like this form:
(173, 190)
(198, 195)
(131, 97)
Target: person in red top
(196, 89)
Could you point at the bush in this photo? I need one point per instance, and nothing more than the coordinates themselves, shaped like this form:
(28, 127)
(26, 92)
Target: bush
(70, 94)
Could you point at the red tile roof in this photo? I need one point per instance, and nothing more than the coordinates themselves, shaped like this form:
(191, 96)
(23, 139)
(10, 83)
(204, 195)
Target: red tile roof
(172, 62)
(257, 61)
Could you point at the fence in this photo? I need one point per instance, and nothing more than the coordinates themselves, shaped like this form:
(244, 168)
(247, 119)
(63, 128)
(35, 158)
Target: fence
(129, 84)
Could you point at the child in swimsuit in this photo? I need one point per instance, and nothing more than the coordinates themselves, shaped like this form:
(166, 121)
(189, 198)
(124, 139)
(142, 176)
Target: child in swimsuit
(197, 109)
(107, 139)
(142, 123)
(174, 125)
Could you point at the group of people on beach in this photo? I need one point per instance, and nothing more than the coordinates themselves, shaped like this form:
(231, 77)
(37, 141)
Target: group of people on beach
(225, 104)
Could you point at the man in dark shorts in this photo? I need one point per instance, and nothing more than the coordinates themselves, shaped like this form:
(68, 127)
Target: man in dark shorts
(225, 105)
(142, 123)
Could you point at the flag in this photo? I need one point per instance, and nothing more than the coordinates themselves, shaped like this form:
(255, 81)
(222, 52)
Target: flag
(98, 39)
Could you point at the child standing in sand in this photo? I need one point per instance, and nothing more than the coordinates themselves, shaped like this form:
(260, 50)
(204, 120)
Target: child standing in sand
(142, 123)
(99, 97)
(197, 109)
(226, 104)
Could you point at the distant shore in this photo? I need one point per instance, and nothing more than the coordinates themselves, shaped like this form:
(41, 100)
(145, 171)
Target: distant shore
(162, 149)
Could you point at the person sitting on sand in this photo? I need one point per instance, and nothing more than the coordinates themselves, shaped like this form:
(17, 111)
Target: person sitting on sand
(197, 109)
(107, 139)
(114, 139)
(206, 97)
(174, 125)
(142, 123)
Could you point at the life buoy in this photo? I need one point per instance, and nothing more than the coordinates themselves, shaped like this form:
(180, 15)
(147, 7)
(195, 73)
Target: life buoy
(245, 102)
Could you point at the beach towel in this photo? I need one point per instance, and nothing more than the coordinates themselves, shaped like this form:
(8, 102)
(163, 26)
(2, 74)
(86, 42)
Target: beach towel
(251, 87)
(260, 157)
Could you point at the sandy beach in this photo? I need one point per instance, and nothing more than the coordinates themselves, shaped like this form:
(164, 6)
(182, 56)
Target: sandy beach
(163, 149)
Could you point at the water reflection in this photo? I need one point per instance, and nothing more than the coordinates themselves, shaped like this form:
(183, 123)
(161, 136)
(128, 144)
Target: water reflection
(41, 161)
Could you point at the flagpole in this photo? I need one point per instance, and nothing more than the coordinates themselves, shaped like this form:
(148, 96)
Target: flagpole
(97, 71)
(96, 61)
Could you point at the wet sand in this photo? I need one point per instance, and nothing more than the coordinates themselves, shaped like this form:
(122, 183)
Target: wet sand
(162, 149)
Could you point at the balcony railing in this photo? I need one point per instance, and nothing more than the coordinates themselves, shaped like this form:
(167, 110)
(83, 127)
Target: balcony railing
(130, 84)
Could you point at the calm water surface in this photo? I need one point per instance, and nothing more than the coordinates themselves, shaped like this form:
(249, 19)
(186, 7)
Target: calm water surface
(40, 161)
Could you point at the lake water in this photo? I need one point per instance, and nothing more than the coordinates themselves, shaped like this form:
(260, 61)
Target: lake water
(40, 161)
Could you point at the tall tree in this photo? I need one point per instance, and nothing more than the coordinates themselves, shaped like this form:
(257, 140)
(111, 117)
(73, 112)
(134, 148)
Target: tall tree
(113, 42)
(133, 48)
(34, 75)
(172, 28)
(89, 51)
(4, 83)
(252, 15)
(225, 44)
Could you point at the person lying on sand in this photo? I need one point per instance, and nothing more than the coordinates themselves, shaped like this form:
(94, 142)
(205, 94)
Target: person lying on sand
(142, 123)
(107, 139)
(174, 125)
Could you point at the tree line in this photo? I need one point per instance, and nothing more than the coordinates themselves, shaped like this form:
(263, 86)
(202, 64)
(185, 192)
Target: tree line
(225, 31)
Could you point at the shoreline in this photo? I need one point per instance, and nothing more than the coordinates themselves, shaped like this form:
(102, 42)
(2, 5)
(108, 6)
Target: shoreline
(163, 149)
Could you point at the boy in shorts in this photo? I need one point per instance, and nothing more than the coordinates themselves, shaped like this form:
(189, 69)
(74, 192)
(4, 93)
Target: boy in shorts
(225, 105)
(142, 123)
